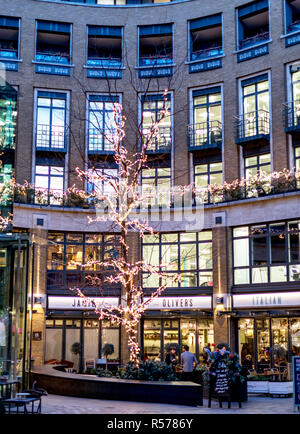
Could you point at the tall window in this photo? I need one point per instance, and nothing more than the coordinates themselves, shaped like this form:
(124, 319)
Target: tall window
(189, 254)
(100, 186)
(294, 104)
(49, 183)
(155, 45)
(253, 24)
(207, 118)
(104, 46)
(297, 158)
(255, 107)
(101, 123)
(9, 38)
(156, 182)
(208, 174)
(206, 37)
(51, 120)
(267, 253)
(157, 109)
(53, 42)
(8, 118)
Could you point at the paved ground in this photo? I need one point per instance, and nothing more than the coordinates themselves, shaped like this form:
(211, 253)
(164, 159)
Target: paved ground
(54, 404)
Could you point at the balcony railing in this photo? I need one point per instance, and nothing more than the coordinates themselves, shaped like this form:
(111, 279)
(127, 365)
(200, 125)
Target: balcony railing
(254, 40)
(294, 27)
(205, 135)
(292, 115)
(101, 142)
(253, 125)
(53, 137)
(156, 60)
(208, 52)
(105, 62)
(160, 142)
(52, 57)
(10, 53)
(7, 137)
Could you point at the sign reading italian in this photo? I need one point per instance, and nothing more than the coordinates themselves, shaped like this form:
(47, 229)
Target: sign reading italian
(296, 376)
(266, 300)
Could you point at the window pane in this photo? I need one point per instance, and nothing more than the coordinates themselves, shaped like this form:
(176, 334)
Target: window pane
(278, 249)
(260, 275)
(188, 260)
(241, 276)
(205, 256)
(241, 252)
(278, 274)
(241, 232)
(259, 251)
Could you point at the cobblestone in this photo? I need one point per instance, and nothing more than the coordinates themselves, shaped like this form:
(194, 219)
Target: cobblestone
(54, 404)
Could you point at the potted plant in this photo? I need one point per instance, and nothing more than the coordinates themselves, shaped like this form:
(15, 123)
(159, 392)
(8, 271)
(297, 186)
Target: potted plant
(108, 350)
(76, 350)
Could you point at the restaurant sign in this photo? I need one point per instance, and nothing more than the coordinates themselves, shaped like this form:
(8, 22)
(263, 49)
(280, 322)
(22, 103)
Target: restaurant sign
(179, 303)
(80, 303)
(277, 299)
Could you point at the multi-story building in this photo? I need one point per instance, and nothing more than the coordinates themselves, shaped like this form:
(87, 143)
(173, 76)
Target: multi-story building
(232, 70)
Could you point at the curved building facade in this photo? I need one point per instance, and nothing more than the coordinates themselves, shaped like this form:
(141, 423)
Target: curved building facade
(232, 74)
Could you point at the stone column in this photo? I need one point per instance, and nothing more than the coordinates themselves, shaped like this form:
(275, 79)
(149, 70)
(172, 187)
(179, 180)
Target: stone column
(222, 277)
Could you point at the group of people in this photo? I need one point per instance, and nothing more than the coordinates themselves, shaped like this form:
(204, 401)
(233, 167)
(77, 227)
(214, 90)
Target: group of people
(188, 362)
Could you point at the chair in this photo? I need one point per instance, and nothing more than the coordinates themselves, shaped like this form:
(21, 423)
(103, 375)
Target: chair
(90, 364)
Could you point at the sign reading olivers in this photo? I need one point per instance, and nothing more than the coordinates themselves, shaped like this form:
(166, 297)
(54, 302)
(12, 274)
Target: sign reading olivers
(201, 302)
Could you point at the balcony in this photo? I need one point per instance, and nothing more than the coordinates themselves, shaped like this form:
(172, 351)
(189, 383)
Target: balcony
(207, 53)
(253, 126)
(259, 38)
(52, 56)
(294, 27)
(292, 116)
(104, 62)
(161, 142)
(51, 138)
(205, 135)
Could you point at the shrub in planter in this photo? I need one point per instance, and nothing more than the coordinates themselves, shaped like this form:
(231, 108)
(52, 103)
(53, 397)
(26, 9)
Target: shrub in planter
(104, 373)
(149, 371)
(108, 350)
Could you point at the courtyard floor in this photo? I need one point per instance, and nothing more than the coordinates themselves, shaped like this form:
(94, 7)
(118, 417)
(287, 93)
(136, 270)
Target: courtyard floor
(54, 404)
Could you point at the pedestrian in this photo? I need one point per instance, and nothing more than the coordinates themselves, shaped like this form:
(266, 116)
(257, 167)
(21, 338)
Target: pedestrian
(171, 358)
(187, 359)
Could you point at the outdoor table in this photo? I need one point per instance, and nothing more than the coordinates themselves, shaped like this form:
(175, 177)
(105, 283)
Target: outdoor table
(23, 402)
(6, 388)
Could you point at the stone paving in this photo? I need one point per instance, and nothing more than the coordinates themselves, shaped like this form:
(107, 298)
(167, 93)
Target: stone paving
(54, 404)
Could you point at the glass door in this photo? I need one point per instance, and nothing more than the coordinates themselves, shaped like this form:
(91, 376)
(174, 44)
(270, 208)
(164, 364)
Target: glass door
(171, 334)
(263, 344)
(152, 339)
(246, 342)
(188, 334)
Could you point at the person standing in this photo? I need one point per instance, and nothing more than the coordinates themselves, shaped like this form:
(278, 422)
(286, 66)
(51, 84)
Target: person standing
(187, 359)
(171, 359)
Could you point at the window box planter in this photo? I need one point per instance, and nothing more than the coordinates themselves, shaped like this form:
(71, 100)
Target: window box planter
(279, 389)
(258, 386)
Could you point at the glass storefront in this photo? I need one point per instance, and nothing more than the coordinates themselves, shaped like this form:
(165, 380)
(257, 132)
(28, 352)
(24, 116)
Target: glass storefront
(158, 333)
(265, 343)
(91, 334)
(13, 305)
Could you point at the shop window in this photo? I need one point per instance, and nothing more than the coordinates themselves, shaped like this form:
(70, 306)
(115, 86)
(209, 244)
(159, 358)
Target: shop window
(253, 24)
(267, 253)
(254, 120)
(157, 122)
(102, 123)
(179, 255)
(246, 342)
(49, 184)
(156, 45)
(188, 334)
(292, 16)
(9, 38)
(53, 42)
(156, 183)
(91, 339)
(206, 37)
(111, 335)
(8, 119)
(295, 336)
(51, 121)
(53, 344)
(104, 46)
(152, 338)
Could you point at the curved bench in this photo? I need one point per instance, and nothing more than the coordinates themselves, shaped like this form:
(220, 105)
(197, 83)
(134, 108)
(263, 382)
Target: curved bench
(90, 386)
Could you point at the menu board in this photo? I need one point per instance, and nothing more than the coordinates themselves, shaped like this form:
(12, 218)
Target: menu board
(222, 379)
(296, 376)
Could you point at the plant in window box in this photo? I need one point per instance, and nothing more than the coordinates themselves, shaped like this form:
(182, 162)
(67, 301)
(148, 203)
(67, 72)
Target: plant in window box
(75, 197)
(235, 190)
(284, 181)
(259, 185)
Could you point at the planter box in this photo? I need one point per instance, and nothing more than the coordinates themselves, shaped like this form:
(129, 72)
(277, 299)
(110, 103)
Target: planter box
(258, 386)
(281, 388)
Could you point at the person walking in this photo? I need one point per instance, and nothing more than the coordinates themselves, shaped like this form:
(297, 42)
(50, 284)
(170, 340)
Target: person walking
(187, 359)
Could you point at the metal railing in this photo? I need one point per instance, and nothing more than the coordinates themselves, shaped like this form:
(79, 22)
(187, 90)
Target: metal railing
(8, 53)
(208, 52)
(105, 62)
(205, 134)
(292, 115)
(52, 57)
(253, 124)
(48, 137)
(160, 142)
(101, 142)
(253, 40)
(294, 27)
(155, 60)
